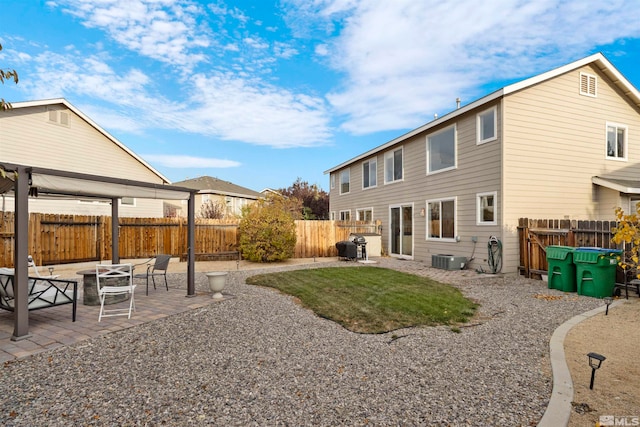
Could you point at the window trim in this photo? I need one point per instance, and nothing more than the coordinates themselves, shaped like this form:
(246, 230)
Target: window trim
(401, 149)
(479, 140)
(606, 141)
(455, 219)
(358, 210)
(332, 180)
(375, 175)
(455, 149)
(479, 197)
(347, 170)
(343, 211)
(332, 215)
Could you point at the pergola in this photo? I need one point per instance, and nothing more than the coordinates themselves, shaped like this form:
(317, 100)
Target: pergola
(30, 181)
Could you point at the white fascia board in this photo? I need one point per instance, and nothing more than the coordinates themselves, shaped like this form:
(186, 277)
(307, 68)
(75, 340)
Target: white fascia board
(86, 118)
(615, 185)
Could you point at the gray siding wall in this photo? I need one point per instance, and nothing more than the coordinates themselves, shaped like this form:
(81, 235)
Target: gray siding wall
(478, 171)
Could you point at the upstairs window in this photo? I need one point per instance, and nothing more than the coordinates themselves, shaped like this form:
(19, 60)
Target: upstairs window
(333, 180)
(588, 84)
(345, 177)
(616, 141)
(393, 166)
(369, 170)
(486, 125)
(441, 150)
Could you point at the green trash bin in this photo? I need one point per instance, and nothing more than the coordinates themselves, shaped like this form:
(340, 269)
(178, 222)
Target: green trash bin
(561, 269)
(596, 271)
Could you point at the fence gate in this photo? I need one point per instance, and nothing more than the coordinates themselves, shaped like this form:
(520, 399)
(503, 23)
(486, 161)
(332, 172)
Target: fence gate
(534, 235)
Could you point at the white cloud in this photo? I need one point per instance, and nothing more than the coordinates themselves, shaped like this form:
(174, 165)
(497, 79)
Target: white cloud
(231, 108)
(406, 59)
(165, 30)
(173, 161)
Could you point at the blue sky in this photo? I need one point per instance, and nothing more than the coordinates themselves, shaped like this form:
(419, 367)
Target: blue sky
(260, 93)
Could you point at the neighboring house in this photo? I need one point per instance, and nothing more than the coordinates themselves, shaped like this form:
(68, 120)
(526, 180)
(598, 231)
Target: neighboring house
(230, 196)
(56, 135)
(562, 144)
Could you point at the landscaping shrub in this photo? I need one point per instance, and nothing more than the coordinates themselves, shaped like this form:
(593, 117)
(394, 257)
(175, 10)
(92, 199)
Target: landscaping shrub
(267, 230)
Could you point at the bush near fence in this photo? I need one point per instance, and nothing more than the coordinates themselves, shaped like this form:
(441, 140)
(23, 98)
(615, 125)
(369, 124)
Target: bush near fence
(60, 239)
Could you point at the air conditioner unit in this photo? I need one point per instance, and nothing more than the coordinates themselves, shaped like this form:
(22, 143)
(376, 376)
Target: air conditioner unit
(448, 262)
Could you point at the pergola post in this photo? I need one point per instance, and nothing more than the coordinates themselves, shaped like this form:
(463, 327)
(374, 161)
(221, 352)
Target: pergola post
(115, 232)
(21, 271)
(191, 245)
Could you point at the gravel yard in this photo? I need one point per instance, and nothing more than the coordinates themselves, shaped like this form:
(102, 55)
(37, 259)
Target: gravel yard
(258, 358)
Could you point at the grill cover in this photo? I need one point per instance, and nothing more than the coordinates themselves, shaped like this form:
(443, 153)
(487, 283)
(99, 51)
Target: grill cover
(347, 249)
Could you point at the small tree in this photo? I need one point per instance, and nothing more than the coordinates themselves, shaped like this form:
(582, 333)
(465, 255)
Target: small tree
(7, 75)
(267, 230)
(314, 200)
(212, 210)
(627, 233)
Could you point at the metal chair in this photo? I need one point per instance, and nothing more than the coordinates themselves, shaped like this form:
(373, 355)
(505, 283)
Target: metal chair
(158, 268)
(31, 263)
(122, 272)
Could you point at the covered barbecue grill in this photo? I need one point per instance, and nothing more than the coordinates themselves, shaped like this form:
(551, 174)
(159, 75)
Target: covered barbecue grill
(347, 250)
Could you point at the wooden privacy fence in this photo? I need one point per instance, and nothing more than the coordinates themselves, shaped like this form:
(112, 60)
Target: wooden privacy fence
(60, 239)
(534, 235)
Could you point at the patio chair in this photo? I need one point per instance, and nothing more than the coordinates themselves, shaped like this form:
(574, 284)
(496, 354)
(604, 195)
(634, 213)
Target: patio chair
(31, 263)
(106, 275)
(158, 268)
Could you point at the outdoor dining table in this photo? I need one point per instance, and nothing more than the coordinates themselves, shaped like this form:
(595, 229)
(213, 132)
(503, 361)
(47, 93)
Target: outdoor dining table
(90, 290)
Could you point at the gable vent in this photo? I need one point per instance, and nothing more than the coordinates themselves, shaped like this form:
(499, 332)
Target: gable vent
(588, 84)
(64, 118)
(60, 117)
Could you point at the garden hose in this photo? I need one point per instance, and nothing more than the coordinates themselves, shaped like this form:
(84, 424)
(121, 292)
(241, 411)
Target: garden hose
(495, 254)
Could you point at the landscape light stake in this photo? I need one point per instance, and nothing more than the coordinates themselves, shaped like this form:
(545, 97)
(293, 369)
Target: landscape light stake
(595, 360)
(608, 301)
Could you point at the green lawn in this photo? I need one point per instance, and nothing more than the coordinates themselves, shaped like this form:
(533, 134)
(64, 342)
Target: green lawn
(372, 299)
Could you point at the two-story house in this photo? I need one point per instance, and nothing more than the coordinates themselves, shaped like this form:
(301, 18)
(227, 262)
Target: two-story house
(562, 144)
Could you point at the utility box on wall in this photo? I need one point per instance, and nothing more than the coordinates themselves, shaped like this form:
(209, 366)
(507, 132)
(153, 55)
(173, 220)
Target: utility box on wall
(448, 262)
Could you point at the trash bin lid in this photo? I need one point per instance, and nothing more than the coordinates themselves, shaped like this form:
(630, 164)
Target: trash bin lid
(559, 252)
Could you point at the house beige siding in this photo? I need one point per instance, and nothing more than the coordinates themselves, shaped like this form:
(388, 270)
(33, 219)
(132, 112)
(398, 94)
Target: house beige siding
(55, 137)
(554, 142)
